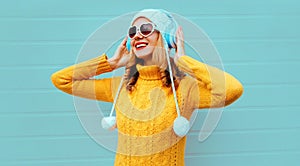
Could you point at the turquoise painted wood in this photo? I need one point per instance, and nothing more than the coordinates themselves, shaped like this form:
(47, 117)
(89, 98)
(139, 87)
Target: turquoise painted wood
(258, 42)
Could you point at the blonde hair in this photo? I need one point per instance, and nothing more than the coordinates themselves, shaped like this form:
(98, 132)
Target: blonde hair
(159, 58)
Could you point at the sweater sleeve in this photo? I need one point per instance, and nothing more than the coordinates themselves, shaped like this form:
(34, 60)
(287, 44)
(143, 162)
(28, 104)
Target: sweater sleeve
(212, 88)
(76, 80)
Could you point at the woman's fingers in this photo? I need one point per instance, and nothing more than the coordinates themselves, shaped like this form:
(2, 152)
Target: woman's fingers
(179, 34)
(180, 43)
(122, 48)
(123, 43)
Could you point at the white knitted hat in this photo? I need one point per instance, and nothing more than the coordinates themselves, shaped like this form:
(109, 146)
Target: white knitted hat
(164, 21)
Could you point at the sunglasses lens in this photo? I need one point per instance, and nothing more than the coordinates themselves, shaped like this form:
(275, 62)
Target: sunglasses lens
(146, 29)
(132, 32)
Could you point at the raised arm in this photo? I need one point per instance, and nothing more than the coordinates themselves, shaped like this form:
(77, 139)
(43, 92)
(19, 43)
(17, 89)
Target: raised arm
(76, 80)
(212, 88)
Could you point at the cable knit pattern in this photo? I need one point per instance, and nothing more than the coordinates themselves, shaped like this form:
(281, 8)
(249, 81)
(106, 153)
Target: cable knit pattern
(145, 116)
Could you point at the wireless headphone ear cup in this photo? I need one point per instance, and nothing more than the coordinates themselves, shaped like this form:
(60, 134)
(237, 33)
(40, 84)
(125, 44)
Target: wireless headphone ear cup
(170, 39)
(128, 44)
(170, 34)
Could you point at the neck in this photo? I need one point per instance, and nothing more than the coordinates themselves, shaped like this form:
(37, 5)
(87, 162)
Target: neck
(148, 61)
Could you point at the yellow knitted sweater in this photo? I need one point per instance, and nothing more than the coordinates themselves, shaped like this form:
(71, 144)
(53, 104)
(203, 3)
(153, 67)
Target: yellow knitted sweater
(145, 116)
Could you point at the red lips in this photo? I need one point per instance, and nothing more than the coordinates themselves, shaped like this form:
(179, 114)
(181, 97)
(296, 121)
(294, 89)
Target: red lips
(140, 44)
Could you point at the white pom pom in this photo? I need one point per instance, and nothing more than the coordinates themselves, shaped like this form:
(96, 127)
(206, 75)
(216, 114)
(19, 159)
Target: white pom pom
(181, 126)
(108, 122)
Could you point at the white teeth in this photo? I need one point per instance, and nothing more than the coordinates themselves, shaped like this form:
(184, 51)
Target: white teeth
(140, 45)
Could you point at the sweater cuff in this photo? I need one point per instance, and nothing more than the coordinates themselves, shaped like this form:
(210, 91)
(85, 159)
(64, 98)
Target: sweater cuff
(103, 65)
(92, 67)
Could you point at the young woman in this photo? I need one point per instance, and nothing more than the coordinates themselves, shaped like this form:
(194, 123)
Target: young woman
(156, 90)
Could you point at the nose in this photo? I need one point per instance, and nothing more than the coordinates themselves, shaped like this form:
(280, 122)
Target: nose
(138, 36)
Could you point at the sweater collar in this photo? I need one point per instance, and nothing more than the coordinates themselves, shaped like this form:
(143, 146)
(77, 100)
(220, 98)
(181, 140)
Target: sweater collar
(151, 72)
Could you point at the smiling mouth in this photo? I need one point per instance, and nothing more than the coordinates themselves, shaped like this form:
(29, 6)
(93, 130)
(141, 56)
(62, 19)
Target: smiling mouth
(140, 46)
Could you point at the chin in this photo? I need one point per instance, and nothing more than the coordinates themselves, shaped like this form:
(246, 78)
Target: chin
(144, 53)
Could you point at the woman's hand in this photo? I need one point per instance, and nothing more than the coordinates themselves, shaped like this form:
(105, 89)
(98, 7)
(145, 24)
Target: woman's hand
(179, 44)
(121, 56)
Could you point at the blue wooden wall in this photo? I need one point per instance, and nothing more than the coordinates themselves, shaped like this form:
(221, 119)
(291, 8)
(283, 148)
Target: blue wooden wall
(257, 40)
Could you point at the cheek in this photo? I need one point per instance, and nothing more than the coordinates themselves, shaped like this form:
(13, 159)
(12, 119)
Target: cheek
(153, 39)
(153, 42)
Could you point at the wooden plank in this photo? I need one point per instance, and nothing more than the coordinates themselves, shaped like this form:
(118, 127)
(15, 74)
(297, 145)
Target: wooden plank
(98, 8)
(239, 142)
(67, 123)
(249, 159)
(274, 158)
(40, 101)
(236, 51)
(83, 147)
(268, 27)
(53, 148)
(264, 73)
(251, 119)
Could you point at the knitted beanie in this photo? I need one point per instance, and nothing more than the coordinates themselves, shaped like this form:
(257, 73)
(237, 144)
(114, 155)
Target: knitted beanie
(164, 22)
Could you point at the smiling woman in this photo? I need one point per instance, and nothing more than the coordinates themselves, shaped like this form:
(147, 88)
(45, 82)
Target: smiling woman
(144, 40)
(156, 95)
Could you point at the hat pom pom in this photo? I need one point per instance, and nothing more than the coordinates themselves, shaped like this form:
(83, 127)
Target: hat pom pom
(181, 126)
(108, 122)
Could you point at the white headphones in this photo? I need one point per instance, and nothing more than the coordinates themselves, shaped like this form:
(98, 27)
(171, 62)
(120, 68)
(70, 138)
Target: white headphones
(181, 125)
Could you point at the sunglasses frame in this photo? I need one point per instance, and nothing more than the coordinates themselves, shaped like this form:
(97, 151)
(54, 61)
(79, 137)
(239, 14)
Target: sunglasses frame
(138, 30)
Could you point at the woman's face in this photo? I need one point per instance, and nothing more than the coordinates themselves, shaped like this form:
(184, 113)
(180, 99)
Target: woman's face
(143, 47)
